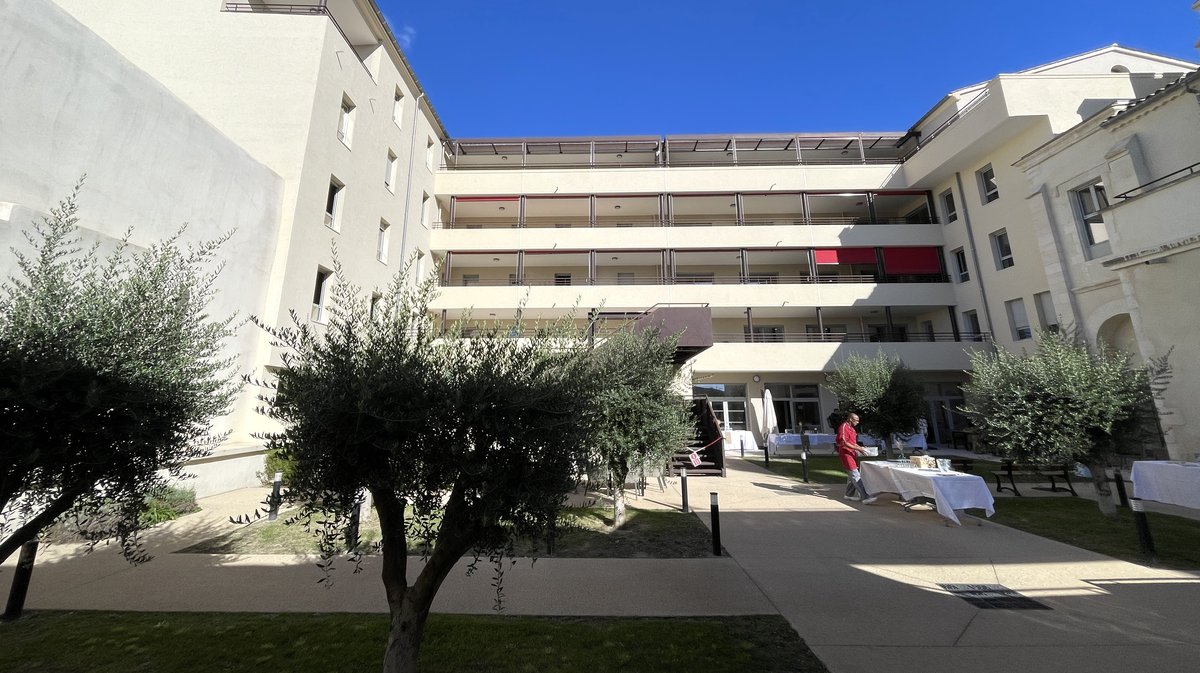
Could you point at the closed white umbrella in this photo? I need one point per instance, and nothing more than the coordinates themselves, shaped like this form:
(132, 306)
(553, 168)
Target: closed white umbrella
(770, 423)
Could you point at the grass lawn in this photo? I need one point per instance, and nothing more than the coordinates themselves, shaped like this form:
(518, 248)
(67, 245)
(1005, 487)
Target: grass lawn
(646, 534)
(1078, 522)
(138, 642)
(821, 469)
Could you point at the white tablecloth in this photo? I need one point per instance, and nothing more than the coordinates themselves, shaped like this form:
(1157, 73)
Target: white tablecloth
(1172, 483)
(819, 440)
(737, 441)
(778, 439)
(950, 490)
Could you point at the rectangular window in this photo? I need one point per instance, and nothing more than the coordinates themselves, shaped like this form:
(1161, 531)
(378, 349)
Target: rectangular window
(346, 121)
(376, 308)
(512, 279)
(430, 154)
(1018, 319)
(764, 334)
(971, 330)
(389, 172)
(961, 270)
(425, 210)
(562, 279)
(381, 243)
(987, 184)
(1001, 249)
(320, 291)
(470, 279)
(1091, 201)
(398, 108)
(624, 278)
(333, 204)
(948, 208)
(1047, 316)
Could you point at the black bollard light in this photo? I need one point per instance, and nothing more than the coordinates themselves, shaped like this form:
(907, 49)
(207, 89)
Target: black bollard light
(276, 488)
(715, 512)
(20, 581)
(352, 529)
(1122, 496)
(804, 463)
(1145, 540)
(683, 487)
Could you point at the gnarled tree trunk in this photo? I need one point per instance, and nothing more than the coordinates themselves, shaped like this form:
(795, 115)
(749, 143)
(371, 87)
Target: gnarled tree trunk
(618, 472)
(1099, 470)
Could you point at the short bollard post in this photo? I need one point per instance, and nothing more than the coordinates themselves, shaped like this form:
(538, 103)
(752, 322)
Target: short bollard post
(1145, 540)
(276, 488)
(352, 529)
(1120, 481)
(715, 513)
(20, 581)
(767, 456)
(804, 463)
(683, 487)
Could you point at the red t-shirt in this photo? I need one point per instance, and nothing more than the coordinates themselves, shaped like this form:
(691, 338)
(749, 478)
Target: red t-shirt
(847, 439)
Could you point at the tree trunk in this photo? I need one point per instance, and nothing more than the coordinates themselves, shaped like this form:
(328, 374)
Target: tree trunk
(409, 605)
(1103, 492)
(620, 472)
(32, 527)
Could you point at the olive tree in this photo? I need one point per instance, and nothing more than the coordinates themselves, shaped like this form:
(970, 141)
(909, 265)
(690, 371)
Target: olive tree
(110, 374)
(639, 417)
(464, 444)
(1063, 402)
(882, 391)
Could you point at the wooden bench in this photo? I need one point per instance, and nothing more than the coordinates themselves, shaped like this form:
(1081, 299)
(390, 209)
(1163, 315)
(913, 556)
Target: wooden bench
(1010, 469)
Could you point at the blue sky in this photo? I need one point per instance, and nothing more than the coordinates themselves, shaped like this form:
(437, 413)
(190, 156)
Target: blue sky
(537, 68)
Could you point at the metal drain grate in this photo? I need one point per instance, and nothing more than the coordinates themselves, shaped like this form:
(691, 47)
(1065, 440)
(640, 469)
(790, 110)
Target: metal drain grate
(993, 597)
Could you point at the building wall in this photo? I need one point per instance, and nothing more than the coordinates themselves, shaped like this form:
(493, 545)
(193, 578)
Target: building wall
(152, 164)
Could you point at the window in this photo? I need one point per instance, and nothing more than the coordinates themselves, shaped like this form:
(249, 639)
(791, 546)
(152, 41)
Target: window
(398, 109)
(961, 270)
(470, 279)
(987, 184)
(972, 331)
(1001, 249)
(425, 210)
(430, 154)
(319, 294)
(381, 244)
(764, 334)
(562, 279)
(346, 121)
(1090, 201)
(1017, 319)
(376, 310)
(797, 406)
(625, 278)
(1047, 316)
(333, 204)
(927, 330)
(831, 333)
(949, 210)
(728, 401)
(512, 279)
(389, 173)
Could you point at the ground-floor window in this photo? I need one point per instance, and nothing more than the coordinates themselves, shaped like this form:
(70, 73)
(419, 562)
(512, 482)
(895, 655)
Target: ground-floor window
(943, 401)
(728, 401)
(797, 406)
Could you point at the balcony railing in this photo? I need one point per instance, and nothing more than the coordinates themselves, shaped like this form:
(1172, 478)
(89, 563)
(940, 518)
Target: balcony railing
(896, 336)
(685, 280)
(1154, 184)
(798, 220)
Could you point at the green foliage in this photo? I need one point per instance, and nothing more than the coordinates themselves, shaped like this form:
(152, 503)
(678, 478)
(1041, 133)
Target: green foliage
(169, 504)
(1063, 402)
(881, 390)
(275, 461)
(638, 418)
(110, 373)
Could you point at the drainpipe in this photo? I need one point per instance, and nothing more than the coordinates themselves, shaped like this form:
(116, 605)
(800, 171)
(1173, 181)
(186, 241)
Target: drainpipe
(412, 149)
(966, 215)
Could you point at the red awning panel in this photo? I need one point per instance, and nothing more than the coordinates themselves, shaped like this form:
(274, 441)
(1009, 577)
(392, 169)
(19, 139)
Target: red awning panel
(845, 256)
(911, 260)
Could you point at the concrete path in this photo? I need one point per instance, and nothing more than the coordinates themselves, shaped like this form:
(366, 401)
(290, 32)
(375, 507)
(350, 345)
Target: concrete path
(858, 583)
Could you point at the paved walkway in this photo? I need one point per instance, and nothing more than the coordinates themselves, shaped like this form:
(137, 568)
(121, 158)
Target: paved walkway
(858, 583)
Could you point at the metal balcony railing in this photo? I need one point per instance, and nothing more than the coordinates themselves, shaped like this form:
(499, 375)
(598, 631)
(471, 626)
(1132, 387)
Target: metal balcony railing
(896, 336)
(697, 280)
(583, 223)
(1166, 179)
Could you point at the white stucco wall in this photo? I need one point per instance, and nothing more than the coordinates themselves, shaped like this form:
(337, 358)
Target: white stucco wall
(152, 163)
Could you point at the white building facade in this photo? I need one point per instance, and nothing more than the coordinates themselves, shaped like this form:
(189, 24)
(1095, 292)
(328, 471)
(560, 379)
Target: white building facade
(302, 126)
